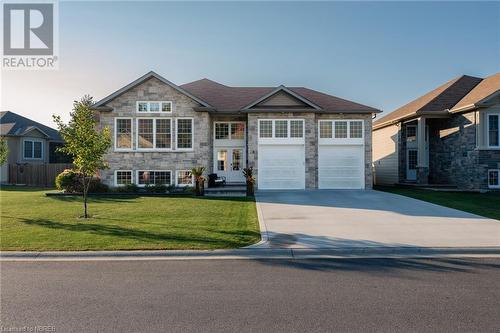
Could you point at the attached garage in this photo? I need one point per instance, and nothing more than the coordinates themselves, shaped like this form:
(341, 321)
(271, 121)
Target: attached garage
(281, 157)
(341, 167)
(341, 154)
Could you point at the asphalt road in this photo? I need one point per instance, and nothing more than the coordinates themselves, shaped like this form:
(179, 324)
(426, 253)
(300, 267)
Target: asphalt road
(448, 295)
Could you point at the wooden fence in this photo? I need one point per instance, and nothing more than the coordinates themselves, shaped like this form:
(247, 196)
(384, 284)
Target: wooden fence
(36, 174)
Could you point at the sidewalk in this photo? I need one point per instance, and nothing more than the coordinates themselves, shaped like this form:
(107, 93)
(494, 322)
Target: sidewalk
(255, 253)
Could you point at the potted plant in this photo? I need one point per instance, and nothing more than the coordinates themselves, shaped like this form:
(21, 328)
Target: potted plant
(199, 180)
(250, 179)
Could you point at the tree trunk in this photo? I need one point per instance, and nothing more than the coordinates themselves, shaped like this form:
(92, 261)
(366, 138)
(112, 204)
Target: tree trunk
(85, 191)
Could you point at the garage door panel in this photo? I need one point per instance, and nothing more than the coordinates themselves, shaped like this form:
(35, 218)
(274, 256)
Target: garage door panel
(281, 167)
(341, 167)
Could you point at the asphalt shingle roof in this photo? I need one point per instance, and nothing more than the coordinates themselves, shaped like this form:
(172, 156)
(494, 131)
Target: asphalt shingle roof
(225, 98)
(14, 124)
(442, 98)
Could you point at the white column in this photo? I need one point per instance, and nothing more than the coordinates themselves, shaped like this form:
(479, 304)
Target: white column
(422, 156)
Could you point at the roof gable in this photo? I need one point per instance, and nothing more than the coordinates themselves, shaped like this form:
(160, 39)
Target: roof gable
(141, 80)
(13, 124)
(277, 96)
(482, 94)
(442, 98)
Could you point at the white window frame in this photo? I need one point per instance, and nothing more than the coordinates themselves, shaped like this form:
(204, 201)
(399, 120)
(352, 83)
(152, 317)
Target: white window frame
(177, 178)
(149, 107)
(488, 179)
(172, 133)
(343, 141)
(230, 138)
(143, 185)
(488, 129)
(131, 134)
(116, 177)
(33, 140)
(177, 134)
(285, 140)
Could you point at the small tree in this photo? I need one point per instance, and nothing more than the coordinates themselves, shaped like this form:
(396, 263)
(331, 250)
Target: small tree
(84, 142)
(4, 150)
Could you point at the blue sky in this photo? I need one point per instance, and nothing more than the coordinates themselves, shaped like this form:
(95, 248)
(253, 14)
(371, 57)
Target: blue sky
(382, 54)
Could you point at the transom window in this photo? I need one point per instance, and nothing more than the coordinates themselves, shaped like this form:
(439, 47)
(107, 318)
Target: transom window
(123, 177)
(493, 130)
(154, 177)
(33, 149)
(237, 131)
(123, 133)
(266, 128)
(184, 133)
(154, 106)
(325, 129)
(184, 178)
(340, 129)
(229, 131)
(411, 133)
(154, 133)
(296, 129)
(281, 128)
(222, 131)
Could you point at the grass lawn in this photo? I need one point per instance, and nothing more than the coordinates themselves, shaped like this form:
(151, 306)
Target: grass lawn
(32, 221)
(484, 204)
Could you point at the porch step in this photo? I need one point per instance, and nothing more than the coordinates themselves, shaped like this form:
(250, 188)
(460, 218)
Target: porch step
(227, 191)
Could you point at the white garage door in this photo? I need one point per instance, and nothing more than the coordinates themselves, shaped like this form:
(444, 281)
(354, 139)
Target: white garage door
(281, 167)
(341, 167)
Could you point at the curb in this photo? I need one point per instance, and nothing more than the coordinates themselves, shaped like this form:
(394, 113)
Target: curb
(254, 253)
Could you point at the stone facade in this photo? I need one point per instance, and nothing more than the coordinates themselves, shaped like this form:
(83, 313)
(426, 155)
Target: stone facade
(125, 106)
(454, 156)
(203, 145)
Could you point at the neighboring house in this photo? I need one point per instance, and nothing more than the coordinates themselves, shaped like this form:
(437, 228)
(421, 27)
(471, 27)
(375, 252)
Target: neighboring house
(295, 138)
(29, 142)
(448, 136)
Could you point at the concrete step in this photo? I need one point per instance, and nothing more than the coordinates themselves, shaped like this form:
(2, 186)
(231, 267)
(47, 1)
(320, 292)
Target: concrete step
(227, 191)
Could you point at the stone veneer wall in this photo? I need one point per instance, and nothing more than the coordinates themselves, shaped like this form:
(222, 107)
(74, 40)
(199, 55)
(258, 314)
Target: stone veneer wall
(125, 106)
(453, 157)
(311, 141)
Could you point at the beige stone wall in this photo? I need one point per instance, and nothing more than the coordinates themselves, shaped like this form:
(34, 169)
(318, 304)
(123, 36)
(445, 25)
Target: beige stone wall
(385, 155)
(125, 106)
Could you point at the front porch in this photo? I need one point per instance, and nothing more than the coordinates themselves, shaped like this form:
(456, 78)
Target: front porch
(439, 151)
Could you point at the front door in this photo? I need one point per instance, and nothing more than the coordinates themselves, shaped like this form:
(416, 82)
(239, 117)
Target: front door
(229, 162)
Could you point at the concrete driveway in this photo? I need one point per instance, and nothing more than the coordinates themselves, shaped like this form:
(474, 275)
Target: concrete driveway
(345, 219)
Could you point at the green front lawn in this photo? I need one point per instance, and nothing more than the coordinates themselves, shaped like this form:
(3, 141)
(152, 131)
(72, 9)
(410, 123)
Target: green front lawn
(32, 221)
(484, 204)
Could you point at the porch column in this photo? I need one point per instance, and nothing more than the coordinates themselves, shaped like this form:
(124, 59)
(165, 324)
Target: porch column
(423, 164)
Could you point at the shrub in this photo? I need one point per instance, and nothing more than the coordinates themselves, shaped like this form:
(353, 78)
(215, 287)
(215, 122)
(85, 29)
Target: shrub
(158, 188)
(70, 181)
(130, 188)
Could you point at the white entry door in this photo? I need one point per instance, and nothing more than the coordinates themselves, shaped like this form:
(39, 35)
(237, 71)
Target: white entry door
(281, 167)
(229, 162)
(341, 167)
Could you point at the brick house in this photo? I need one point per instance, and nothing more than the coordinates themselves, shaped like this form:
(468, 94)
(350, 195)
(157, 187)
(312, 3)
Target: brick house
(448, 136)
(294, 138)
